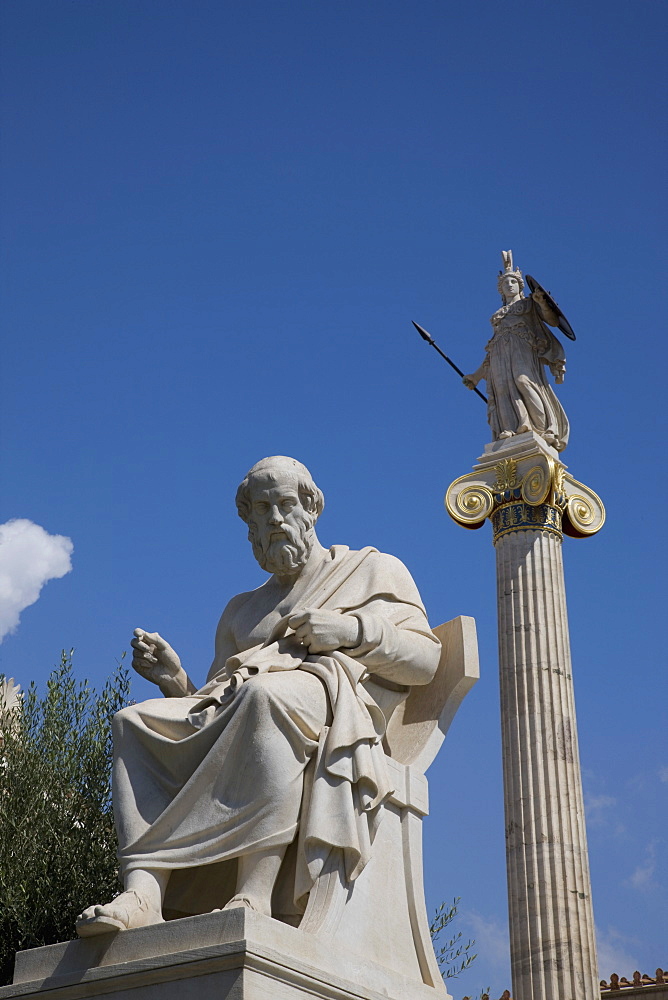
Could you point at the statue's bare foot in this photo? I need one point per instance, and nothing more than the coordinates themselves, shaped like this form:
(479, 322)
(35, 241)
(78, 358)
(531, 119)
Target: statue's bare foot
(130, 909)
(506, 434)
(250, 902)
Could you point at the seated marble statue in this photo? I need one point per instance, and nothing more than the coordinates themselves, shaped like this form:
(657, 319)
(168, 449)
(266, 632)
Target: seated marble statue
(519, 396)
(221, 772)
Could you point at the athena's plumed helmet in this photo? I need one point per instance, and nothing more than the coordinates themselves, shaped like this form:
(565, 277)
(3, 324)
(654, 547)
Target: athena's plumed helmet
(507, 258)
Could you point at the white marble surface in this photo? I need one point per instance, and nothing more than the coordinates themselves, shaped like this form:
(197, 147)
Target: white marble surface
(553, 950)
(520, 485)
(291, 783)
(215, 773)
(521, 349)
(233, 955)
(527, 493)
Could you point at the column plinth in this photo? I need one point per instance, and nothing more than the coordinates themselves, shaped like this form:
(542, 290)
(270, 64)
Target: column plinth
(526, 492)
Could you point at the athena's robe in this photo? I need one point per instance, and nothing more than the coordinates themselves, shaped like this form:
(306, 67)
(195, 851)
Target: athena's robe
(204, 779)
(519, 396)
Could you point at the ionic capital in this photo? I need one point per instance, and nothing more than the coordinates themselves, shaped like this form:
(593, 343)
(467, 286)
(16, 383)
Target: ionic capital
(521, 485)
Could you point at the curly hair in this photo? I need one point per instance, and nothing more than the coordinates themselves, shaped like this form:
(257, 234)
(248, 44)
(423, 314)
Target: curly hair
(510, 274)
(276, 468)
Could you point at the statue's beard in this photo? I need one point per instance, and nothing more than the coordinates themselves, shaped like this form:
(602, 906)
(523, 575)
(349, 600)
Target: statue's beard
(285, 553)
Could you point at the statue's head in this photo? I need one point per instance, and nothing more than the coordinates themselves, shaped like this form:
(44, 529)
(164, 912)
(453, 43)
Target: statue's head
(509, 282)
(280, 503)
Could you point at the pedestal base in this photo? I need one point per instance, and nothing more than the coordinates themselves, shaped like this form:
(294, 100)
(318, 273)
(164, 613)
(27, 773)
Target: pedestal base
(231, 955)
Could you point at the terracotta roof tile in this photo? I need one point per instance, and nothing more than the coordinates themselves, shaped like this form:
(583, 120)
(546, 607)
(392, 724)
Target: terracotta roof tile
(616, 984)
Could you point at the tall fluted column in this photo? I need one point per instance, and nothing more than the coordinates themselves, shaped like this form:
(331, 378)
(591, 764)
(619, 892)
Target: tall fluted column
(531, 500)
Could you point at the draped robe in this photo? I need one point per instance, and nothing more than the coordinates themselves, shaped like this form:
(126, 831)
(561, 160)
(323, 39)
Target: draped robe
(520, 397)
(207, 778)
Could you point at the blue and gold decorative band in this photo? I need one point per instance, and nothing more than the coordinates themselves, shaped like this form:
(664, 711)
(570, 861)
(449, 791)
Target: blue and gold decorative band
(519, 516)
(534, 493)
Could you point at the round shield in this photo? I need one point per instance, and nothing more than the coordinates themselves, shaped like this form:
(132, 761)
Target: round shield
(562, 322)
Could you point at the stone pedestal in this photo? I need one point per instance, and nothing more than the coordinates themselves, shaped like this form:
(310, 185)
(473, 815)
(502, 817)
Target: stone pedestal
(230, 955)
(531, 500)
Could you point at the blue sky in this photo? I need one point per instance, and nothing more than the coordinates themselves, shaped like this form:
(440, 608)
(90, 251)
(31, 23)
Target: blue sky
(218, 221)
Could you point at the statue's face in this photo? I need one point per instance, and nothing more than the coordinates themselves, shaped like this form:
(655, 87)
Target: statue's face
(510, 286)
(279, 528)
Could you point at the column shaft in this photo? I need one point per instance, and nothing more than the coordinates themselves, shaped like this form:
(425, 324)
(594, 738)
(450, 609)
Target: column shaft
(553, 951)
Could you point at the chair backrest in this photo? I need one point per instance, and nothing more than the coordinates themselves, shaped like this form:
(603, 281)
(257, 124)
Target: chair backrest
(418, 725)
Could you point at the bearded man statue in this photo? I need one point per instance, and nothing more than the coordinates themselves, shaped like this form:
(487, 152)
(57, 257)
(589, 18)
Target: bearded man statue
(283, 744)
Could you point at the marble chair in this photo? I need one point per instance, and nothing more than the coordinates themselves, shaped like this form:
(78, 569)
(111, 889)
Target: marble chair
(384, 912)
(382, 915)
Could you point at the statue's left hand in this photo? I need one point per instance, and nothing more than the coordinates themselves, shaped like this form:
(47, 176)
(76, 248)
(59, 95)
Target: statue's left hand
(324, 631)
(559, 371)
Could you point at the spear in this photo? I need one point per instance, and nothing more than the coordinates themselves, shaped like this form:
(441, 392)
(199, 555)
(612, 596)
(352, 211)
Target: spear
(430, 340)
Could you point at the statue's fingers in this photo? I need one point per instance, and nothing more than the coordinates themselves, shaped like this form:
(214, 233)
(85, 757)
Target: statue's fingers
(304, 634)
(144, 665)
(142, 643)
(298, 619)
(155, 639)
(147, 656)
(139, 660)
(139, 644)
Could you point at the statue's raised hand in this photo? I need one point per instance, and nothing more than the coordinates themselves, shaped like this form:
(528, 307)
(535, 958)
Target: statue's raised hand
(157, 662)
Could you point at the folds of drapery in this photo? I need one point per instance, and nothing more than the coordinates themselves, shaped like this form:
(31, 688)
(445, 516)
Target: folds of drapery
(339, 803)
(519, 394)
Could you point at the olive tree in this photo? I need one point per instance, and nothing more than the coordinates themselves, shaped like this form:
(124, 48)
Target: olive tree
(57, 838)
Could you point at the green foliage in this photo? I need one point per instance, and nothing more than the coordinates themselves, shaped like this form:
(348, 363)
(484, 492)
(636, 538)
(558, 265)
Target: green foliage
(57, 838)
(453, 956)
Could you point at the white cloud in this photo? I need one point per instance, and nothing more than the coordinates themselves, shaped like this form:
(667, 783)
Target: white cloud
(643, 876)
(492, 939)
(29, 558)
(596, 806)
(614, 954)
